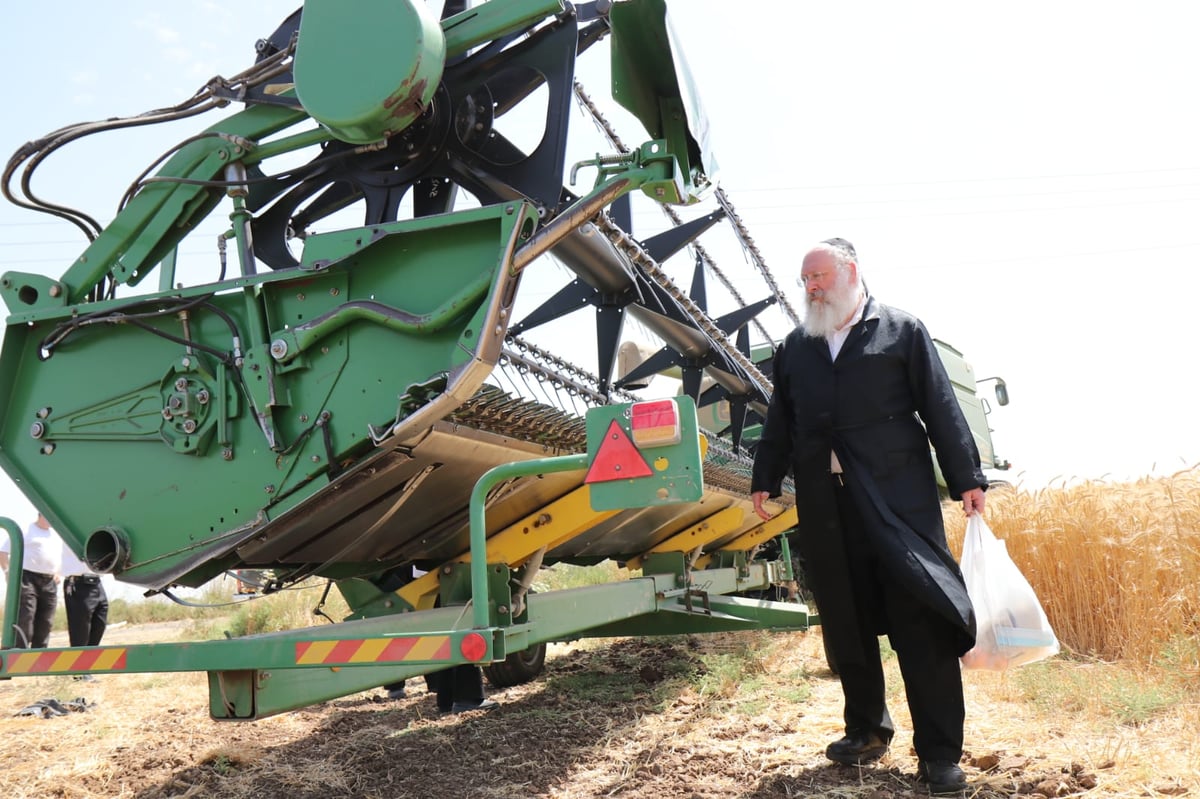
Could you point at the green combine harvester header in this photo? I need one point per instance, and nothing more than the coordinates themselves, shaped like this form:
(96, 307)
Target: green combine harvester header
(341, 405)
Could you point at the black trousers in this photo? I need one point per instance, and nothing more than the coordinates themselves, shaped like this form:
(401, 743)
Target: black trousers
(87, 609)
(35, 615)
(925, 646)
(456, 684)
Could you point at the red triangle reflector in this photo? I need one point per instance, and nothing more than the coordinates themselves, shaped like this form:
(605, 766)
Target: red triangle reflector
(617, 458)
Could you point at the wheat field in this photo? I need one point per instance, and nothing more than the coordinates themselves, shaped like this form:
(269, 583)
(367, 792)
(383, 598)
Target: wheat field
(1115, 565)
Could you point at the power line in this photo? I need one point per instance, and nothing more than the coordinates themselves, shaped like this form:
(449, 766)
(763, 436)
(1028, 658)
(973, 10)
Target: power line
(1029, 209)
(947, 181)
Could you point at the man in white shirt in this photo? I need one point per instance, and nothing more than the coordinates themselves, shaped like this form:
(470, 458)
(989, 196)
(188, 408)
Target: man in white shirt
(39, 583)
(86, 601)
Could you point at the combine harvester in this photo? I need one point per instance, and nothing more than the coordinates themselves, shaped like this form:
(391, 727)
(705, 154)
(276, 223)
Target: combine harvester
(361, 405)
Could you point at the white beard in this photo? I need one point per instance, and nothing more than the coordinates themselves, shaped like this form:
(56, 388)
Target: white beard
(823, 315)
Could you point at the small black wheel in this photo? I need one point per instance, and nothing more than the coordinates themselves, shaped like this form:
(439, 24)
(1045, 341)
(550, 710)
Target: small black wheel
(518, 668)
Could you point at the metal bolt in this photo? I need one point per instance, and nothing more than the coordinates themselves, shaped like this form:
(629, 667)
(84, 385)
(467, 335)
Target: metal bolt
(47, 449)
(316, 459)
(304, 417)
(55, 290)
(187, 363)
(446, 570)
(189, 426)
(333, 292)
(181, 384)
(300, 297)
(202, 396)
(37, 430)
(43, 413)
(502, 609)
(279, 349)
(270, 489)
(174, 402)
(167, 414)
(227, 454)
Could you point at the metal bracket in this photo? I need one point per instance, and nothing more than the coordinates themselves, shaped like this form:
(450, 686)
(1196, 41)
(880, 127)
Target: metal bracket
(702, 595)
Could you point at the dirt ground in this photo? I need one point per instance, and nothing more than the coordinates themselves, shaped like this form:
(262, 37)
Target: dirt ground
(610, 720)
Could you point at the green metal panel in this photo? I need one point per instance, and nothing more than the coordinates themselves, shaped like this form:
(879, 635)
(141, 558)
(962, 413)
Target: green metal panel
(717, 617)
(650, 78)
(121, 461)
(369, 70)
(670, 473)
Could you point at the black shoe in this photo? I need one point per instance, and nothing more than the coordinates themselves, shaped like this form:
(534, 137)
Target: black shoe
(942, 776)
(855, 750)
(483, 704)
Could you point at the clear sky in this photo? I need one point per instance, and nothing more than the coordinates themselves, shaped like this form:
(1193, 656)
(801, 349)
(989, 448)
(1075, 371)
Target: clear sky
(1024, 176)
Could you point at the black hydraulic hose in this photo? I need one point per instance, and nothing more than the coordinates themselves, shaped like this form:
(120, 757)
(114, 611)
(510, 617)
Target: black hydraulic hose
(203, 100)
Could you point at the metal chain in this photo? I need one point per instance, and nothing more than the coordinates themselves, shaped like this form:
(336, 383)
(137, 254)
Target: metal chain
(536, 357)
(749, 246)
(634, 252)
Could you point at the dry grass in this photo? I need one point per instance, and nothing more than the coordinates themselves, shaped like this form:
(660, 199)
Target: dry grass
(741, 716)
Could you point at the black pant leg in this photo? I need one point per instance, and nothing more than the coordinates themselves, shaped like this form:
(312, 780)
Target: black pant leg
(468, 684)
(442, 685)
(926, 646)
(43, 619)
(26, 611)
(87, 611)
(863, 685)
(79, 623)
(99, 615)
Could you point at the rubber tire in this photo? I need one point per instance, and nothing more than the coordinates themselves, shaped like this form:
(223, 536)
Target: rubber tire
(518, 668)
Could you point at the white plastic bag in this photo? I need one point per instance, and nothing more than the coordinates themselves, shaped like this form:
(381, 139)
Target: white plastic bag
(1012, 628)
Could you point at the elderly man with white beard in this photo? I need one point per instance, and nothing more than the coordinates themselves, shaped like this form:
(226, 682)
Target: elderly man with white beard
(860, 394)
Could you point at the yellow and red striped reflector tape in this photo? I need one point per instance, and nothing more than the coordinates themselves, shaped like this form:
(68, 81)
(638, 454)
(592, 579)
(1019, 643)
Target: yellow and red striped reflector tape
(71, 660)
(373, 650)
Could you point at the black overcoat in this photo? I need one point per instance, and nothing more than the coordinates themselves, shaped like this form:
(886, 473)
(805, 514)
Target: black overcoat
(879, 406)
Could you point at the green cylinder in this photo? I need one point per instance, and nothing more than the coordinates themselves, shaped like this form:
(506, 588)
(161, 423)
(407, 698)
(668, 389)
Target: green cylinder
(367, 70)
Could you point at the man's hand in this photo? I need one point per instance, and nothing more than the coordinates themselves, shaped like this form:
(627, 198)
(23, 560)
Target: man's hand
(973, 501)
(759, 498)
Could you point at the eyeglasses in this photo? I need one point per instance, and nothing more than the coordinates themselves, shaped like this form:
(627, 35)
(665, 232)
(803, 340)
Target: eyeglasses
(815, 277)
